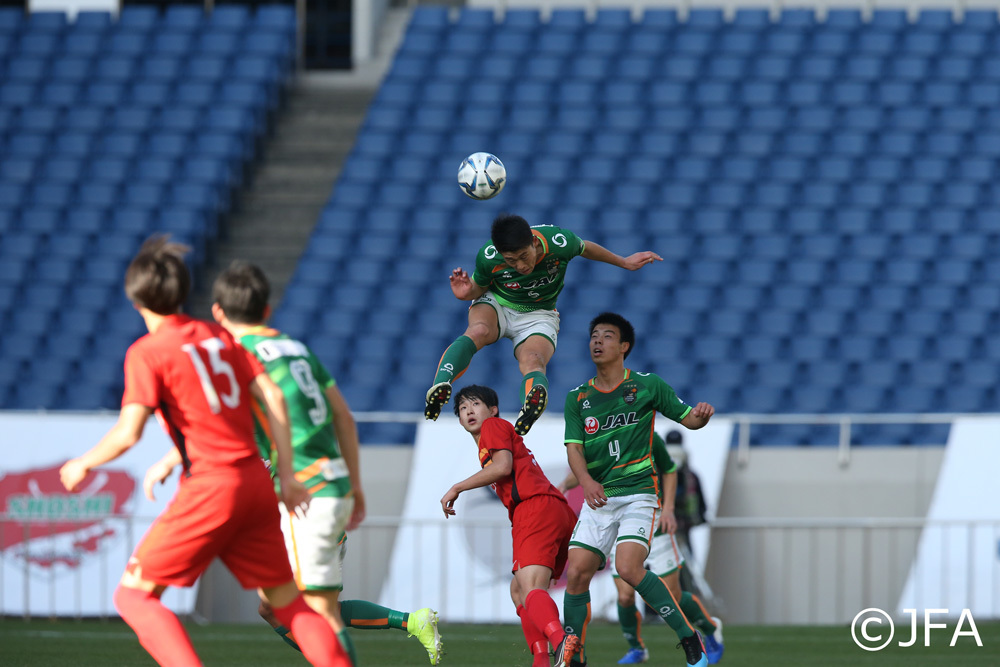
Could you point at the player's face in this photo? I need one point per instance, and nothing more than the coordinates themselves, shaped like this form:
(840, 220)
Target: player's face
(606, 344)
(472, 413)
(523, 261)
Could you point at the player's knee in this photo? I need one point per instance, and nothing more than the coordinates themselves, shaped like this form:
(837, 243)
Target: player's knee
(479, 333)
(630, 574)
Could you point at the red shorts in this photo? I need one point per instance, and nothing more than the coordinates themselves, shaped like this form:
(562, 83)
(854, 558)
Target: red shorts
(541, 529)
(230, 513)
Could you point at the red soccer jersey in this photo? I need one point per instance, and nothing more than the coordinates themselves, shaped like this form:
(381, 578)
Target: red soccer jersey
(526, 478)
(197, 379)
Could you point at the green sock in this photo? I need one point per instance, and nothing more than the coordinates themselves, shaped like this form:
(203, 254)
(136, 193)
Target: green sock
(576, 615)
(455, 359)
(659, 598)
(691, 606)
(631, 620)
(345, 641)
(370, 616)
(530, 380)
(285, 634)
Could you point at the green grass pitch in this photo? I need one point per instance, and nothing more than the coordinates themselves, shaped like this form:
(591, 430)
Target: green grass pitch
(95, 643)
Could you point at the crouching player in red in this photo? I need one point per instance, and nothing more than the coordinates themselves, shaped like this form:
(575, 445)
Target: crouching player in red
(200, 383)
(541, 520)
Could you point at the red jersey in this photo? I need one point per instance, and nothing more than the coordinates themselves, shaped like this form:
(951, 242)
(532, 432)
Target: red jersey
(196, 378)
(526, 478)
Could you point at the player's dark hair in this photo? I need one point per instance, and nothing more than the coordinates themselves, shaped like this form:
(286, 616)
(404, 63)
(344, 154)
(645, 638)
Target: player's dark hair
(477, 391)
(157, 278)
(625, 329)
(511, 233)
(242, 291)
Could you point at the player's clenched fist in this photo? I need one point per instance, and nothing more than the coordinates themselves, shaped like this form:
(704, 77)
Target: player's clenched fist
(72, 474)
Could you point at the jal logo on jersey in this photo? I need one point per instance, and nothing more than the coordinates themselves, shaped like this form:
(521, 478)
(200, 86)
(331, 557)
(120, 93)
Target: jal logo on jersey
(47, 526)
(621, 419)
(591, 425)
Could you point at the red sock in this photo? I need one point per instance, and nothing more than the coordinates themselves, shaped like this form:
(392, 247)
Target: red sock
(313, 635)
(545, 615)
(160, 632)
(537, 643)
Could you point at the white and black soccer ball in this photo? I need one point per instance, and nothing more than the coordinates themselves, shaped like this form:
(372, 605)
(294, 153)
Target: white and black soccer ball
(482, 176)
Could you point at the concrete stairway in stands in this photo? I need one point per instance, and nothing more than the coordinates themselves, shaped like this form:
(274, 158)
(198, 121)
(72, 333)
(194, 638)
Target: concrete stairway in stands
(276, 212)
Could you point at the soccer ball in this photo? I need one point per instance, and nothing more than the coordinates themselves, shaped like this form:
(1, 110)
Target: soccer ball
(482, 176)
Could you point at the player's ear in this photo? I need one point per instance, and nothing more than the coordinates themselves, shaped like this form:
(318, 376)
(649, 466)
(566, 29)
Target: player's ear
(626, 346)
(494, 410)
(267, 312)
(217, 313)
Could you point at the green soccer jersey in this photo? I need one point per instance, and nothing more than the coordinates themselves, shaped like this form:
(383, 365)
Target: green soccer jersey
(616, 429)
(304, 381)
(537, 290)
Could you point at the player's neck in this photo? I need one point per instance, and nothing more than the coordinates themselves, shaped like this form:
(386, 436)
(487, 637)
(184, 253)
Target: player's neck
(240, 330)
(153, 320)
(610, 375)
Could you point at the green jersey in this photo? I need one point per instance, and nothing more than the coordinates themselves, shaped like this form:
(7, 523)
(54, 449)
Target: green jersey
(304, 381)
(537, 290)
(616, 429)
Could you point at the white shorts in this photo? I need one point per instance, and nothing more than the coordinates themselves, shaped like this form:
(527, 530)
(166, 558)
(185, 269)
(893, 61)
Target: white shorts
(624, 519)
(518, 326)
(315, 543)
(664, 556)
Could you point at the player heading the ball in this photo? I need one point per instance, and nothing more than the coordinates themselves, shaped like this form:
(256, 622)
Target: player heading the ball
(519, 274)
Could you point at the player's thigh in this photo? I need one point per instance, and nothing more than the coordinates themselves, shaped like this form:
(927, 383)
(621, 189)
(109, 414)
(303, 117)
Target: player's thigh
(539, 329)
(182, 542)
(256, 554)
(636, 518)
(540, 533)
(595, 531)
(315, 542)
(487, 321)
(664, 556)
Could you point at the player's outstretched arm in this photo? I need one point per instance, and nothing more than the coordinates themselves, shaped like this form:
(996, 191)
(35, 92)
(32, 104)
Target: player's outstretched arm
(293, 493)
(593, 491)
(464, 287)
(118, 440)
(633, 262)
(346, 431)
(699, 416)
(502, 465)
(160, 471)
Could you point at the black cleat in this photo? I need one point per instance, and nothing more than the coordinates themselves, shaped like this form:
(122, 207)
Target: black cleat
(437, 396)
(534, 406)
(694, 651)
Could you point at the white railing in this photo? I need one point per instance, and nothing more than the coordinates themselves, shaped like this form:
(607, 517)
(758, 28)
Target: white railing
(762, 570)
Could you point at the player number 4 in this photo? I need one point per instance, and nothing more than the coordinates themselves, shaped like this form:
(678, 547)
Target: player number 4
(615, 449)
(219, 367)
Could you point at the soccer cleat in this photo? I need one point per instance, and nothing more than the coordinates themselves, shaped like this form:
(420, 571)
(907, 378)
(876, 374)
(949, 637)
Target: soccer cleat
(635, 656)
(423, 624)
(437, 396)
(568, 647)
(694, 651)
(534, 406)
(713, 642)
